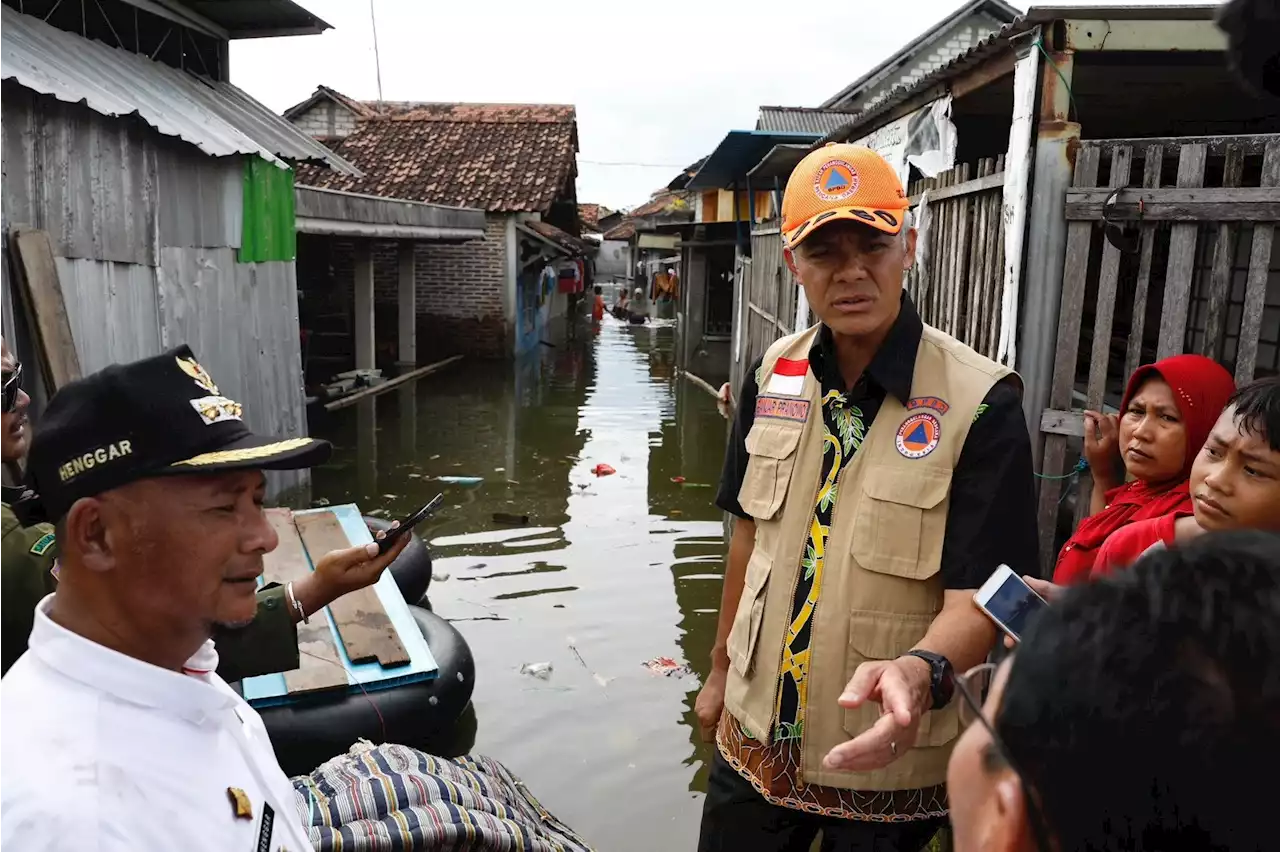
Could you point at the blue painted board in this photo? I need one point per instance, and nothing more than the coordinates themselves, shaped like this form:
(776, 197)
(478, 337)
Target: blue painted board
(269, 690)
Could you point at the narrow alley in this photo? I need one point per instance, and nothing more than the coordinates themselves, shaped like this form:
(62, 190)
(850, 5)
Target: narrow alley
(621, 568)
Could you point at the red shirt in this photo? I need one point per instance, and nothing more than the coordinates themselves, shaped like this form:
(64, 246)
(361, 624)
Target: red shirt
(597, 310)
(1123, 547)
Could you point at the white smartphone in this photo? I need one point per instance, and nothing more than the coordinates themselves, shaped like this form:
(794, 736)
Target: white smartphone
(1008, 601)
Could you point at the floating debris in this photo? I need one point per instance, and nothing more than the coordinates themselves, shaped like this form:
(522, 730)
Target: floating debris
(510, 519)
(603, 469)
(460, 480)
(667, 667)
(542, 671)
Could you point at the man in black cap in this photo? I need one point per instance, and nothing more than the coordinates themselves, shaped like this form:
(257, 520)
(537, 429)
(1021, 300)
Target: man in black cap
(269, 644)
(156, 488)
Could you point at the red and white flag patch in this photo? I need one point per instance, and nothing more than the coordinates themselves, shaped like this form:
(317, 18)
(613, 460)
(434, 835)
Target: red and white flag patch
(788, 377)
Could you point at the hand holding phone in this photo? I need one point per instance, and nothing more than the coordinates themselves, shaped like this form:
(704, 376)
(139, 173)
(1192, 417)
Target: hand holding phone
(1009, 601)
(393, 535)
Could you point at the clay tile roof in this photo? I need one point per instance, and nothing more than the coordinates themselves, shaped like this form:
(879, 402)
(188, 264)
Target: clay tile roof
(590, 214)
(625, 231)
(565, 240)
(496, 157)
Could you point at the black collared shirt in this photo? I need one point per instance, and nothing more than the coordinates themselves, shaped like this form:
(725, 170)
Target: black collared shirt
(992, 516)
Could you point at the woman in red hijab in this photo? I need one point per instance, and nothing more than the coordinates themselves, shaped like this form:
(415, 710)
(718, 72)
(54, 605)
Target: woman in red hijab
(1168, 409)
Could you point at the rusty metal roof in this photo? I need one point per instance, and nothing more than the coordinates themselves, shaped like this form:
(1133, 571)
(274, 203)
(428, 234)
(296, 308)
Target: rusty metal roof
(216, 117)
(801, 119)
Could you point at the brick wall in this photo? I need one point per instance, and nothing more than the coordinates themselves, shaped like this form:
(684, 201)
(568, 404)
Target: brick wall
(460, 293)
(327, 120)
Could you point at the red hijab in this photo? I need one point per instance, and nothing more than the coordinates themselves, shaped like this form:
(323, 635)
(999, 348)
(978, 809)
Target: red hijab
(1201, 388)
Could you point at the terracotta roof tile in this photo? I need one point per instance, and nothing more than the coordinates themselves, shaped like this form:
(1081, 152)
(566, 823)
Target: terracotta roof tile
(496, 157)
(624, 231)
(565, 240)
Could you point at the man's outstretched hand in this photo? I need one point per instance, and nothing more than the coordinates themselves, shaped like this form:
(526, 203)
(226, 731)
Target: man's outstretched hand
(901, 688)
(340, 572)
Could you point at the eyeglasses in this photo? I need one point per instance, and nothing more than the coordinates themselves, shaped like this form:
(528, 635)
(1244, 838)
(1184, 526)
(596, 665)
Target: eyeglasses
(973, 687)
(12, 386)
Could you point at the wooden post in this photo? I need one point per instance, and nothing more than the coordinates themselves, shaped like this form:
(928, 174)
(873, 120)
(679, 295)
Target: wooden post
(363, 319)
(408, 307)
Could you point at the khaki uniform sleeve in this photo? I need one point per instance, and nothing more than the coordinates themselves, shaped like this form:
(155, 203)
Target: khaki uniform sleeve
(26, 557)
(269, 645)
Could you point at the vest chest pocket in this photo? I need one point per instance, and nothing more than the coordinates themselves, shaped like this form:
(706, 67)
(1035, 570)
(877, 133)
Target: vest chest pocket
(772, 448)
(898, 529)
(745, 634)
(887, 636)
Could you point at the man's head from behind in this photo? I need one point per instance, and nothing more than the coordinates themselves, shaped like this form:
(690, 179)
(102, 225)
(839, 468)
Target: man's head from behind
(847, 237)
(1235, 479)
(156, 487)
(1140, 712)
(15, 430)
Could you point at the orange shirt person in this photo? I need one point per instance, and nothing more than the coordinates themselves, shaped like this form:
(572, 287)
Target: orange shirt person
(597, 305)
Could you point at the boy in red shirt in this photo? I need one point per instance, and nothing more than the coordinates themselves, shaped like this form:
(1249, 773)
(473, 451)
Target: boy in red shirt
(1235, 480)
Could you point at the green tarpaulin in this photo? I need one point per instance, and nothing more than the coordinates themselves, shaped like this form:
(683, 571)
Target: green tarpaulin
(269, 230)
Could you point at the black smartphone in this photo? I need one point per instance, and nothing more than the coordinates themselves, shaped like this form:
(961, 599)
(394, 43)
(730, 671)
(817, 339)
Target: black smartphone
(406, 524)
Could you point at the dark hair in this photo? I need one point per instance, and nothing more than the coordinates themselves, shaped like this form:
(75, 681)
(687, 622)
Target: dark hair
(1258, 409)
(1143, 709)
(598, 289)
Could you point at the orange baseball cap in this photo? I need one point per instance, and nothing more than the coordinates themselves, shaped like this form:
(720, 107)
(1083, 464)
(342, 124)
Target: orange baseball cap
(842, 182)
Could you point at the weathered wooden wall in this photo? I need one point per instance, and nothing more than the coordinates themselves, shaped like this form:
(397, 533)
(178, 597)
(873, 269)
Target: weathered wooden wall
(1197, 274)
(145, 231)
(958, 280)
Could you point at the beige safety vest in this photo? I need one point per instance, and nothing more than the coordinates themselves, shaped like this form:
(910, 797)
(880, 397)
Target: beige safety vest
(880, 587)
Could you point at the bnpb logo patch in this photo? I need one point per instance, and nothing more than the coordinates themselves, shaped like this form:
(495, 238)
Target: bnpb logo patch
(836, 180)
(918, 435)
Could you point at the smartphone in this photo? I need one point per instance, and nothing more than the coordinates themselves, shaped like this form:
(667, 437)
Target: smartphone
(406, 524)
(1009, 601)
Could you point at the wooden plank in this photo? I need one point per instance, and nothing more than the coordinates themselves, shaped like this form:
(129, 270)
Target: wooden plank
(1057, 422)
(982, 183)
(974, 305)
(45, 305)
(1255, 291)
(767, 317)
(1138, 319)
(366, 630)
(1104, 310)
(1075, 270)
(1216, 146)
(352, 399)
(319, 665)
(1224, 250)
(959, 206)
(1182, 260)
(996, 219)
(1179, 204)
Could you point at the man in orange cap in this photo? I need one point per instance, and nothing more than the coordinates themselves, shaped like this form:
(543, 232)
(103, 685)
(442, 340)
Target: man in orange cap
(880, 470)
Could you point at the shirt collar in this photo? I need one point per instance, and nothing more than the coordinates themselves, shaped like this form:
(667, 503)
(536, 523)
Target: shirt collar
(124, 678)
(894, 363)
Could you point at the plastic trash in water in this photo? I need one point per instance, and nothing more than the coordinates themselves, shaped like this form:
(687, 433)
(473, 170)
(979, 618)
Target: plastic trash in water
(667, 666)
(460, 480)
(678, 480)
(542, 671)
(603, 469)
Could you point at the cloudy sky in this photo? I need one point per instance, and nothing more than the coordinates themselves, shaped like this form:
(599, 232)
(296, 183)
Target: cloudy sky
(656, 84)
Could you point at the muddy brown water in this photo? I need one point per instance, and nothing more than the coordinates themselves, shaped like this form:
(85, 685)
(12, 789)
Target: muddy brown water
(608, 573)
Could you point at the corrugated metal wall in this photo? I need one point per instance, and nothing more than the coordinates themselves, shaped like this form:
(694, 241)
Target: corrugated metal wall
(147, 230)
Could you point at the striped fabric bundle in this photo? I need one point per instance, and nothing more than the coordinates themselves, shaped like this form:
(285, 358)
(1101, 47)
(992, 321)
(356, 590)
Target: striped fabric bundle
(391, 798)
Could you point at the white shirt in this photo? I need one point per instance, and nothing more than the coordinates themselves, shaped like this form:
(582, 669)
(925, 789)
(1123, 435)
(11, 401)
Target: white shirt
(102, 752)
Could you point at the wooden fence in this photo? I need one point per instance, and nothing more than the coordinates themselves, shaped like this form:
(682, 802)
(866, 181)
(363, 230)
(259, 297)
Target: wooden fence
(1187, 268)
(958, 280)
(767, 309)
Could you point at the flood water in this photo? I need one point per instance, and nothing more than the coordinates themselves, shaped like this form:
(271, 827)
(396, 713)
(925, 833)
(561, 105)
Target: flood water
(609, 572)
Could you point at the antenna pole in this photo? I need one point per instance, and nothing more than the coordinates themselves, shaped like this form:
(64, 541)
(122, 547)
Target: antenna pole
(377, 60)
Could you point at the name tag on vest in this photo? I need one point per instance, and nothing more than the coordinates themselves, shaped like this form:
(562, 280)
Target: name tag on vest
(788, 377)
(782, 409)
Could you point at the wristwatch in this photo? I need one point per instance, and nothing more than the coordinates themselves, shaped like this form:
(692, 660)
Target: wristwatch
(942, 678)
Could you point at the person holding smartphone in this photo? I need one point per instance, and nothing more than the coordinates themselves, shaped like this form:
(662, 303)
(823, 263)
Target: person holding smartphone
(879, 470)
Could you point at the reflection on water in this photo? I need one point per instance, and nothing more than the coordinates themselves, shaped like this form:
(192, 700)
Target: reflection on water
(611, 571)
